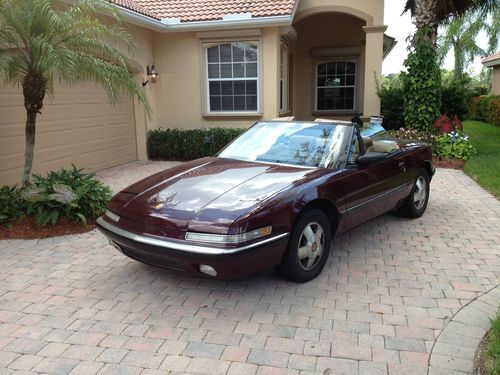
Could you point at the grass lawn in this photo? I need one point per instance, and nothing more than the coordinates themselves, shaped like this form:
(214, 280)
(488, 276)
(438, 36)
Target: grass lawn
(489, 354)
(484, 167)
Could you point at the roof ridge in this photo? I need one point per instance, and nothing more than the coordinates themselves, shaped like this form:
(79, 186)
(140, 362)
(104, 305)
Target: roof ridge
(207, 10)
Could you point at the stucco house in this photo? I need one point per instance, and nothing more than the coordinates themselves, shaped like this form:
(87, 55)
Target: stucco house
(493, 62)
(221, 63)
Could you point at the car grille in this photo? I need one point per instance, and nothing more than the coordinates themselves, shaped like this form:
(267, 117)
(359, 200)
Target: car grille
(147, 257)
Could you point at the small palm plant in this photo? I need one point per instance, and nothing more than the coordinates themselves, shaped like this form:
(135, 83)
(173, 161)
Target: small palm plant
(43, 41)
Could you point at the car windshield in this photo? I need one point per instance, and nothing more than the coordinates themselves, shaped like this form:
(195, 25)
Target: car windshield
(308, 144)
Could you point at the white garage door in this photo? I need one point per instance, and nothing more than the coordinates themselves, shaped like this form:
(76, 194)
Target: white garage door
(77, 126)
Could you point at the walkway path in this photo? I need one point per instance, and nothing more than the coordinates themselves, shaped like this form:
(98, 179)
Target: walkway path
(75, 305)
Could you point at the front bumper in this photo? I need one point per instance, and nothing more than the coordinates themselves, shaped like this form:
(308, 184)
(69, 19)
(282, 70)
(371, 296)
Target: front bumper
(230, 263)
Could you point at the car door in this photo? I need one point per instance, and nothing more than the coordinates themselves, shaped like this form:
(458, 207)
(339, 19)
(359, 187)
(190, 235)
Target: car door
(371, 189)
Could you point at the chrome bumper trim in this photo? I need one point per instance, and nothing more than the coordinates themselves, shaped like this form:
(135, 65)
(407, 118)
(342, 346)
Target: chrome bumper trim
(195, 249)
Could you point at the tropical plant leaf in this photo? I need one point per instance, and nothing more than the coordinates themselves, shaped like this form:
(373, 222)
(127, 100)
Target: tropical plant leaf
(63, 194)
(32, 193)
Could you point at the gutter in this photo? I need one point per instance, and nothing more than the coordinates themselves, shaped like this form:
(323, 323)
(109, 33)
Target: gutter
(491, 63)
(140, 19)
(166, 26)
(391, 43)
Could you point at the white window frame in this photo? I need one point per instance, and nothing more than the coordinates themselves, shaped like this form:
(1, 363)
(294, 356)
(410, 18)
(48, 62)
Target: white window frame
(283, 79)
(355, 86)
(206, 46)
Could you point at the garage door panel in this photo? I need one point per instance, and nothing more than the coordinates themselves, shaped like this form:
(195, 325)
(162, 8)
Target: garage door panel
(14, 161)
(114, 130)
(48, 140)
(76, 126)
(13, 116)
(107, 144)
(11, 145)
(55, 153)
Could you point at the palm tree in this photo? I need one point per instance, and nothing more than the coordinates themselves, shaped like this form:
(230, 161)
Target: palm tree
(460, 34)
(43, 41)
(431, 13)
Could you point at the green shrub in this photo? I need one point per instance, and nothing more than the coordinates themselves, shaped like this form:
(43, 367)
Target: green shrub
(485, 108)
(67, 194)
(455, 96)
(391, 103)
(188, 144)
(11, 204)
(453, 145)
(493, 111)
(473, 109)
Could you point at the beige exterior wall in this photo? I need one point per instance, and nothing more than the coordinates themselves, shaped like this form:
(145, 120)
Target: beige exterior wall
(495, 80)
(181, 88)
(372, 11)
(352, 30)
(143, 55)
(180, 91)
(373, 69)
(325, 31)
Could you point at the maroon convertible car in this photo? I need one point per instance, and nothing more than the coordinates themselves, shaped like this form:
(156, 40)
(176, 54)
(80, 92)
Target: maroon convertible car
(273, 197)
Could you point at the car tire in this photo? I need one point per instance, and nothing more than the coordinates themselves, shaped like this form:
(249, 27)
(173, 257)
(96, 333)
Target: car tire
(308, 247)
(417, 201)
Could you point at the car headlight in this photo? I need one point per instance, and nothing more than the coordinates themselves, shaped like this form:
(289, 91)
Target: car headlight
(112, 216)
(228, 238)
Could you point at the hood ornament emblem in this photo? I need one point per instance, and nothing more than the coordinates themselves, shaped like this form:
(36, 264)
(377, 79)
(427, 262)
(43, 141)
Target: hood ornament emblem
(163, 199)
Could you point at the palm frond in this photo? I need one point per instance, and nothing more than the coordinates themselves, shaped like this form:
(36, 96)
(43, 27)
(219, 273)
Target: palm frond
(455, 8)
(69, 44)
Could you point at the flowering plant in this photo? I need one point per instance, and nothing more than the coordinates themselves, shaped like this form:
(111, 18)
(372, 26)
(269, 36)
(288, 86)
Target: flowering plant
(415, 135)
(445, 125)
(454, 145)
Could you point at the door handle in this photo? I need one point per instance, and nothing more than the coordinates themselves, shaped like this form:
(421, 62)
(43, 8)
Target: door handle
(402, 166)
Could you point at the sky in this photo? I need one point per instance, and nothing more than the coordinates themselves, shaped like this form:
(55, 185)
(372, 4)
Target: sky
(399, 27)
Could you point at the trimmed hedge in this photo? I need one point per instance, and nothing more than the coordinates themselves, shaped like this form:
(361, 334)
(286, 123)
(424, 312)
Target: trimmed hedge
(188, 144)
(485, 108)
(455, 97)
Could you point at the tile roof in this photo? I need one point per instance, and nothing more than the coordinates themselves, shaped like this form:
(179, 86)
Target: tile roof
(136, 7)
(207, 10)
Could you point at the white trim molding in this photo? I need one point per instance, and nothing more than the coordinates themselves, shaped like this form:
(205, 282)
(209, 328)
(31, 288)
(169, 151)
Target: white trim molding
(170, 25)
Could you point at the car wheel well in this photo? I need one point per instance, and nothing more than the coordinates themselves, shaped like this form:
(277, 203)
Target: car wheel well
(328, 208)
(427, 166)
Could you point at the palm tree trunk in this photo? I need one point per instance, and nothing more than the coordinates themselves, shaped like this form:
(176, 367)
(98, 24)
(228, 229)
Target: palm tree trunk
(425, 16)
(34, 89)
(458, 69)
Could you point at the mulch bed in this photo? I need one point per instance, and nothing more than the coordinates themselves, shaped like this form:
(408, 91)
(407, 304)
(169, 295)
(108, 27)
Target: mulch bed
(449, 163)
(27, 229)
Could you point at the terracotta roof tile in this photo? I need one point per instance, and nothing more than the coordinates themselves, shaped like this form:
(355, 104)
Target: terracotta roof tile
(133, 5)
(207, 10)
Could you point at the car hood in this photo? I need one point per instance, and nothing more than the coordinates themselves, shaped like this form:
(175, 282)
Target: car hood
(208, 194)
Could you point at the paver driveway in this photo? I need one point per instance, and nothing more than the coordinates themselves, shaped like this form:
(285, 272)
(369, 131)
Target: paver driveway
(74, 304)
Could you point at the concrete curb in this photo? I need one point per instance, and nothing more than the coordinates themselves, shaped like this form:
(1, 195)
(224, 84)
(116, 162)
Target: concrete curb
(454, 351)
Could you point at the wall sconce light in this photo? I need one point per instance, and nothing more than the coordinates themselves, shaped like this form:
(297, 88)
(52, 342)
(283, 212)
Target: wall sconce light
(152, 74)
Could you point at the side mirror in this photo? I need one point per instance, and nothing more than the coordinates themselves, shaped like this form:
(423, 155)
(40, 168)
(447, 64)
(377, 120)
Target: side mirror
(371, 158)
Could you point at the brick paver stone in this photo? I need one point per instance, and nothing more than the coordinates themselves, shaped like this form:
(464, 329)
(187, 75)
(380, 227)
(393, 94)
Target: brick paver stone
(390, 289)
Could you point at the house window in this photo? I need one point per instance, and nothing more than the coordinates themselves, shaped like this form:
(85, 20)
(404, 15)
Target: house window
(283, 78)
(335, 86)
(233, 75)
